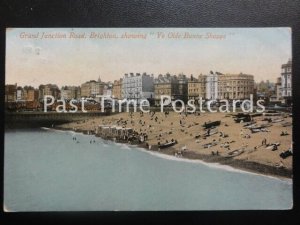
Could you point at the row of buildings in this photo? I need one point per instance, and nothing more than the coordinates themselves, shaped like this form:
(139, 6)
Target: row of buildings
(211, 86)
(279, 92)
(283, 89)
(144, 86)
(88, 89)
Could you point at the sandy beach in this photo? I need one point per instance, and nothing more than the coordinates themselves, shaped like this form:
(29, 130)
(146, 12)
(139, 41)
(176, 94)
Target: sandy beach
(189, 133)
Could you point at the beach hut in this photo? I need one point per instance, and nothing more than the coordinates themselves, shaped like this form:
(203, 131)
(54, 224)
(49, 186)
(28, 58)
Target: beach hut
(128, 131)
(117, 132)
(112, 131)
(103, 130)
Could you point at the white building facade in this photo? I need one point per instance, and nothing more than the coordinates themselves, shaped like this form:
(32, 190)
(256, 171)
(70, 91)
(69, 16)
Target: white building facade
(138, 87)
(212, 86)
(107, 90)
(286, 80)
(20, 94)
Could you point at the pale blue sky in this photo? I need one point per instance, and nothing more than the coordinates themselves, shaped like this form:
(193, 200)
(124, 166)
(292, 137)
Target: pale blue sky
(257, 51)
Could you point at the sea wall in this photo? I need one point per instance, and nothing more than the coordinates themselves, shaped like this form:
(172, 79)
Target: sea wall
(38, 119)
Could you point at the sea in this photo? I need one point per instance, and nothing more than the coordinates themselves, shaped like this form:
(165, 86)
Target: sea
(48, 170)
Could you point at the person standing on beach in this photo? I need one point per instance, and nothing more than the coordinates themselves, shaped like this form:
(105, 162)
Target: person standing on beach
(264, 142)
(208, 132)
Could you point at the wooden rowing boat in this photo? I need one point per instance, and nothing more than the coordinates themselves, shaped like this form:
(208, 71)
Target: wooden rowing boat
(169, 144)
(235, 153)
(211, 124)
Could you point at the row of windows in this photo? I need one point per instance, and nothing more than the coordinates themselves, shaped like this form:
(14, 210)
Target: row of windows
(161, 92)
(287, 69)
(169, 92)
(162, 87)
(247, 92)
(132, 85)
(127, 80)
(287, 93)
(246, 82)
(233, 95)
(196, 85)
(235, 88)
(196, 90)
(132, 91)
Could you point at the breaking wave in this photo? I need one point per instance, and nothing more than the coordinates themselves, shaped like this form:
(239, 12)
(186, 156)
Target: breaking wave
(212, 165)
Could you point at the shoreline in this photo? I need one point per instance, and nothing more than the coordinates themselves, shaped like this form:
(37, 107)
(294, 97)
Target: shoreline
(248, 166)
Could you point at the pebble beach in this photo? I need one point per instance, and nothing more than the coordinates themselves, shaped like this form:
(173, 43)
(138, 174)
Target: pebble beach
(258, 154)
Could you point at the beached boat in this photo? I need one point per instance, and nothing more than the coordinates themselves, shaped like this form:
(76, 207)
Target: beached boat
(258, 128)
(286, 154)
(208, 145)
(271, 146)
(250, 126)
(255, 130)
(277, 120)
(255, 114)
(272, 113)
(266, 125)
(286, 124)
(243, 119)
(169, 144)
(235, 153)
(249, 123)
(261, 129)
(211, 124)
(238, 115)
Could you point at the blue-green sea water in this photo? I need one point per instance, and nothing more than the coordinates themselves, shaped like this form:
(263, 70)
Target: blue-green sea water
(46, 170)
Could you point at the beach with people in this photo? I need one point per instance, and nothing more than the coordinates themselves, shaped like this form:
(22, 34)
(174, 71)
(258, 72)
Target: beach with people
(260, 143)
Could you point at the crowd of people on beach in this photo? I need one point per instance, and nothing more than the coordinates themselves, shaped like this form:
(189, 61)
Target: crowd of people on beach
(156, 131)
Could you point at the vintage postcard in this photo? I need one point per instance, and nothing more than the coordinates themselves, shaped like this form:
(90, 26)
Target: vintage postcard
(135, 119)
